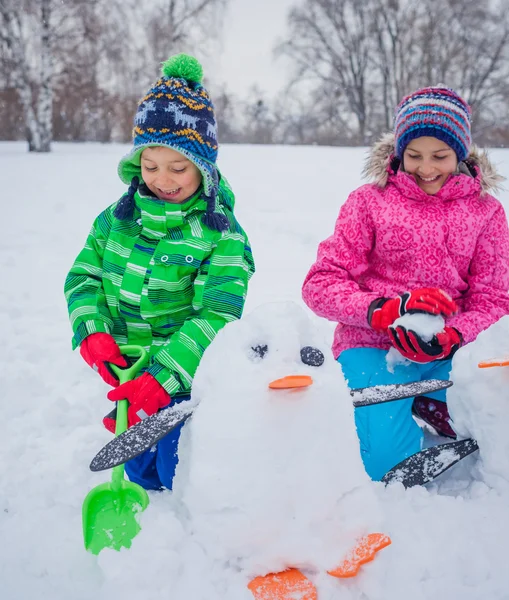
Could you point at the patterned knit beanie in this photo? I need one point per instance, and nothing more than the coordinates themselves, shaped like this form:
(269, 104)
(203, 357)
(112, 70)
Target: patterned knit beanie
(436, 112)
(177, 113)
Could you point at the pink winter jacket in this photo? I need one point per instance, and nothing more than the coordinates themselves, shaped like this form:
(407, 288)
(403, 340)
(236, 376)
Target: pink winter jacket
(391, 237)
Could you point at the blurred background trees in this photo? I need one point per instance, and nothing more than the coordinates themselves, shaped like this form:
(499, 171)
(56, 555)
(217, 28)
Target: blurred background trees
(363, 57)
(74, 69)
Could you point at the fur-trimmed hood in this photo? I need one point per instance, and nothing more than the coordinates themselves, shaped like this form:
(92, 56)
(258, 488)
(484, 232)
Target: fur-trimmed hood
(378, 168)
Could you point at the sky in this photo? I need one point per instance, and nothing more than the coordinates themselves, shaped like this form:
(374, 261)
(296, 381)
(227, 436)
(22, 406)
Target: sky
(250, 32)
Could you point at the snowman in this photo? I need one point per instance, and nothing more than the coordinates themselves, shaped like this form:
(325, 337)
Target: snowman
(269, 474)
(479, 403)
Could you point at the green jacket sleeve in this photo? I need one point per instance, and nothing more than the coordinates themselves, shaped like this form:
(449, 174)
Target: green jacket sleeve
(86, 301)
(220, 290)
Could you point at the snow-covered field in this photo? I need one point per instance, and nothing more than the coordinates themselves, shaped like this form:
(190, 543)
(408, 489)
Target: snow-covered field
(221, 525)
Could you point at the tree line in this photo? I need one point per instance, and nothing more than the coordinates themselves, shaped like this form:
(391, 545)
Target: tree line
(74, 69)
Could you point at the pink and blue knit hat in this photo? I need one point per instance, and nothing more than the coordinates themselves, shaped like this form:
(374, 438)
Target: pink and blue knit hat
(435, 112)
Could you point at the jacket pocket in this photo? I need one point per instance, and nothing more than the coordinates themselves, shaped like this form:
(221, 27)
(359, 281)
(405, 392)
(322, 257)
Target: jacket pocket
(169, 285)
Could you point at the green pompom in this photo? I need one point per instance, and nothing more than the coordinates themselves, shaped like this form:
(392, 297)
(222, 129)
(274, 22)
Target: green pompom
(183, 66)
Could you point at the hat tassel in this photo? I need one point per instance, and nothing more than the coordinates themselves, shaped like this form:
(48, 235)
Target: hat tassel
(125, 207)
(211, 218)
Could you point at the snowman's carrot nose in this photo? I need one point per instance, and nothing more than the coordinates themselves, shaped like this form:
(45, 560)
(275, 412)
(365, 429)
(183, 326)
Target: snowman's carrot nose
(290, 382)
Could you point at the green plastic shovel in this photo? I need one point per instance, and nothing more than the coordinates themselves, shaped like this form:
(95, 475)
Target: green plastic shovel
(110, 510)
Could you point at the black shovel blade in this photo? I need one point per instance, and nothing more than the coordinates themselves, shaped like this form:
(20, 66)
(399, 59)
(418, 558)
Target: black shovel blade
(422, 467)
(377, 394)
(140, 437)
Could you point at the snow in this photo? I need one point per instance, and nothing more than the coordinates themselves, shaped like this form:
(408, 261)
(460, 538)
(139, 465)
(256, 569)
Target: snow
(267, 478)
(479, 404)
(247, 437)
(425, 326)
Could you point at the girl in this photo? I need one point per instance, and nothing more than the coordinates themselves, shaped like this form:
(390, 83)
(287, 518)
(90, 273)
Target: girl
(167, 265)
(425, 237)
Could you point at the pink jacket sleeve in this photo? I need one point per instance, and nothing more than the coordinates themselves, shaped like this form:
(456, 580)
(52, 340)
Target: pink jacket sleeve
(487, 299)
(329, 289)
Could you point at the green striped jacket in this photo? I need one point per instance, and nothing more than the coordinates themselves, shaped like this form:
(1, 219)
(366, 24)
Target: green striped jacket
(162, 280)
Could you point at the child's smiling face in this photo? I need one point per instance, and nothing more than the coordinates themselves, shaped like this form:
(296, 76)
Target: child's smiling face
(168, 174)
(430, 161)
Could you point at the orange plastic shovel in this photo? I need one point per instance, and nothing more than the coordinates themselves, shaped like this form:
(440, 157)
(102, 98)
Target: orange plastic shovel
(494, 362)
(364, 552)
(292, 584)
(286, 585)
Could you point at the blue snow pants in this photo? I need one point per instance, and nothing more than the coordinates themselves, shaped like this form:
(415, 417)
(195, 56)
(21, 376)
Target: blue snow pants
(155, 468)
(387, 432)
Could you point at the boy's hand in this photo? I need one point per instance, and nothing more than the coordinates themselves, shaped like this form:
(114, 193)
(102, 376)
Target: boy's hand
(145, 395)
(443, 344)
(433, 301)
(98, 349)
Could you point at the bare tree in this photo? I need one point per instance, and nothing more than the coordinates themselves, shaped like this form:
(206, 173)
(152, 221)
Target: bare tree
(298, 123)
(35, 91)
(370, 54)
(259, 121)
(37, 38)
(182, 24)
(226, 106)
(395, 59)
(141, 36)
(79, 66)
(330, 43)
(474, 54)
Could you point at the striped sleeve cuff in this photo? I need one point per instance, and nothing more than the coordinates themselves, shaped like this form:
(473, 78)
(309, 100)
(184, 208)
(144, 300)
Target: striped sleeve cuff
(165, 378)
(86, 328)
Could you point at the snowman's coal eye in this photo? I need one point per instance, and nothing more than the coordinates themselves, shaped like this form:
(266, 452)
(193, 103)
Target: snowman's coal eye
(260, 351)
(312, 356)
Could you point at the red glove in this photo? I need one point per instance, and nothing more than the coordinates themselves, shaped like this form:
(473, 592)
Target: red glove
(443, 345)
(98, 349)
(384, 311)
(145, 395)
(110, 420)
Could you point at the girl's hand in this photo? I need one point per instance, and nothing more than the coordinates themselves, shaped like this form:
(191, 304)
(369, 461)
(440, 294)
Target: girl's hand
(443, 345)
(98, 349)
(384, 311)
(145, 395)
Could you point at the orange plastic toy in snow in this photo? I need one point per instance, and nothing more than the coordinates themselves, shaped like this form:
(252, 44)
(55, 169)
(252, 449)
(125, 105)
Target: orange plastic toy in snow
(364, 552)
(286, 585)
(494, 362)
(291, 382)
(293, 584)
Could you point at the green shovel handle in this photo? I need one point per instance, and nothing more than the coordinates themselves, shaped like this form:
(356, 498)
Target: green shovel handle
(122, 405)
(131, 372)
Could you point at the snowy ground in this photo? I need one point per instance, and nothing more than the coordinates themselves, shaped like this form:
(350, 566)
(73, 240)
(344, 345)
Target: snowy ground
(449, 540)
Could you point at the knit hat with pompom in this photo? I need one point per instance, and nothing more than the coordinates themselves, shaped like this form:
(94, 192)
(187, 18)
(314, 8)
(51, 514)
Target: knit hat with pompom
(177, 113)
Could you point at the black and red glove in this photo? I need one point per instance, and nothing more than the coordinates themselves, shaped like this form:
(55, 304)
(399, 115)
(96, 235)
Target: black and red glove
(98, 349)
(442, 345)
(145, 395)
(433, 301)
